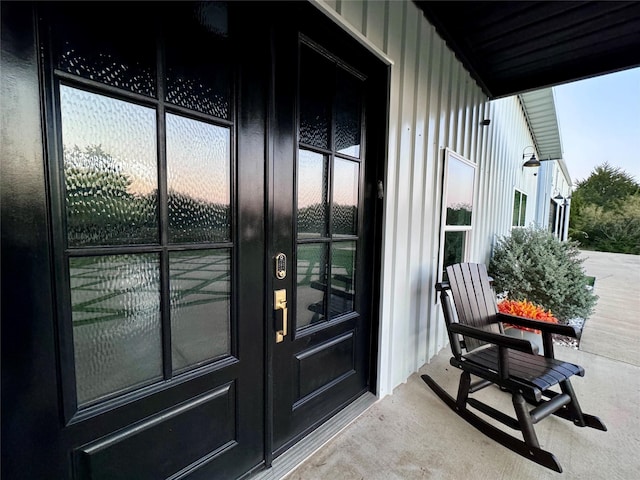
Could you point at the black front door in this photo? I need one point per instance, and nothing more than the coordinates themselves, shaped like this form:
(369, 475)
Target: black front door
(329, 124)
(179, 148)
(154, 118)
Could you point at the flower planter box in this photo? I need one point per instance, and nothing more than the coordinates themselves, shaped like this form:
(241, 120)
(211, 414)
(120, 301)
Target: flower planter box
(534, 338)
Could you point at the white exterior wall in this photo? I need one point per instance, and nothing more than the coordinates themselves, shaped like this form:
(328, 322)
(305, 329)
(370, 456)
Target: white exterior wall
(434, 104)
(503, 174)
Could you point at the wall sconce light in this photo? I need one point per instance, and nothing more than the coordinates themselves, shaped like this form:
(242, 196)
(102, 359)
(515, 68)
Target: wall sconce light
(485, 122)
(533, 161)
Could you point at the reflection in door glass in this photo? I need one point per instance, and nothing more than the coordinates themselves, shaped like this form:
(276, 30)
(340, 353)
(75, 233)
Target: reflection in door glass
(196, 81)
(343, 264)
(115, 309)
(316, 78)
(110, 169)
(348, 111)
(312, 194)
(200, 306)
(311, 285)
(345, 197)
(126, 61)
(198, 181)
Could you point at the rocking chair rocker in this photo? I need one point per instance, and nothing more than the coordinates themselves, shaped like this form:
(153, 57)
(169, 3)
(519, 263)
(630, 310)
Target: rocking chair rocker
(510, 363)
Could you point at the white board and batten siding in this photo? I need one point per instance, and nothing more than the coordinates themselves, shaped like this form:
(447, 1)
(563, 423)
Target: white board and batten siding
(434, 104)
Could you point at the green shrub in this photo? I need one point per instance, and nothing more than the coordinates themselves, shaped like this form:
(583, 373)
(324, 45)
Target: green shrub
(615, 230)
(531, 264)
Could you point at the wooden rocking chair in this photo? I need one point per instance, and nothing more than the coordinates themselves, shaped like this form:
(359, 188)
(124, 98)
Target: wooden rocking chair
(510, 363)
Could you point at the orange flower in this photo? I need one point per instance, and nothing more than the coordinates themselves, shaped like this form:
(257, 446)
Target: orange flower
(524, 308)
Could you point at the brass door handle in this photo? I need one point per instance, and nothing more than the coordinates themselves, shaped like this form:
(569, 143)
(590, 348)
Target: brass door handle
(280, 308)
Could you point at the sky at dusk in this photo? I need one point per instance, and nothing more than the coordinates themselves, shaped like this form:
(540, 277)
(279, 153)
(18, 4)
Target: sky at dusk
(600, 122)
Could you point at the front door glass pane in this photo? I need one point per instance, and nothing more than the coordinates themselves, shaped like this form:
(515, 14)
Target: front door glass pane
(311, 284)
(345, 197)
(348, 111)
(126, 61)
(343, 264)
(196, 80)
(312, 194)
(198, 181)
(115, 310)
(200, 286)
(316, 84)
(110, 169)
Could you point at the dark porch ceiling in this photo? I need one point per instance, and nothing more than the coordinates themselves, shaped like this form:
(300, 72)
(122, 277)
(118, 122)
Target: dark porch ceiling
(513, 47)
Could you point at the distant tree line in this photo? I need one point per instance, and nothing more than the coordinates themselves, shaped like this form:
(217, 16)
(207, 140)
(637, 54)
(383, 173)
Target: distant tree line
(313, 218)
(605, 211)
(102, 209)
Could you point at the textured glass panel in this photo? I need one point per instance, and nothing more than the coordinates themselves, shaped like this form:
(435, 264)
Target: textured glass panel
(312, 284)
(115, 309)
(345, 197)
(200, 287)
(199, 181)
(316, 79)
(348, 113)
(110, 169)
(343, 265)
(460, 181)
(312, 194)
(198, 72)
(454, 245)
(115, 46)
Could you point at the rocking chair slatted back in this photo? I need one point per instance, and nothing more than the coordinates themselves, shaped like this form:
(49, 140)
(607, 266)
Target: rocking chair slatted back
(474, 299)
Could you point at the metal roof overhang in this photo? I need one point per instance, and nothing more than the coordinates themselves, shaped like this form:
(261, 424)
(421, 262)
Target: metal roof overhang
(540, 111)
(524, 48)
(515, 47)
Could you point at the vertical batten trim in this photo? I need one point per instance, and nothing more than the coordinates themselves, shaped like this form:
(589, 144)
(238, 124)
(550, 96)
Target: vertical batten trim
(414, 258)
(402, 231)
(365, 11)
(424, 298)
(386, 357)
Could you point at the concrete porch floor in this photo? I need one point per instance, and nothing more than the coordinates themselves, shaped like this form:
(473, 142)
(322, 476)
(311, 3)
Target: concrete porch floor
(413, 435)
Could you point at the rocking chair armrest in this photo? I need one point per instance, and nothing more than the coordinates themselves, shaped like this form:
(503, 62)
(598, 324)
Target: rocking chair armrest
(544, 327)
(495, 338)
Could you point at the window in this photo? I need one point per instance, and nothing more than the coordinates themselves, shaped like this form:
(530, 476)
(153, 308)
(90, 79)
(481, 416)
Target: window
(519, 209)
(457, 209)
(553, 214)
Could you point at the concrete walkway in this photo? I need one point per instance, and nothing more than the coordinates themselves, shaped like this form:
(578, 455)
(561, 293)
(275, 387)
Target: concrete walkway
(613, 330)
(413, 435)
